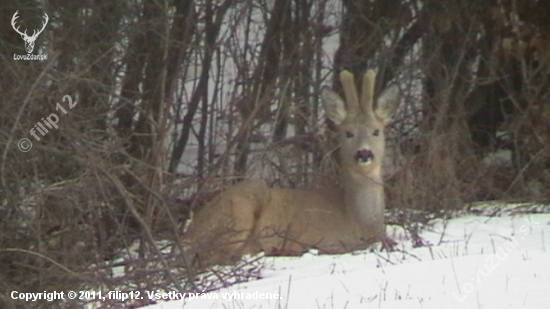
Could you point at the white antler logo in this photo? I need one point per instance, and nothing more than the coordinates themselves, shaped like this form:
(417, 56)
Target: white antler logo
(29, 40)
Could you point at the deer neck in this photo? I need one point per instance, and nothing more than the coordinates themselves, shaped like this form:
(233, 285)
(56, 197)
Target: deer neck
(364, 199)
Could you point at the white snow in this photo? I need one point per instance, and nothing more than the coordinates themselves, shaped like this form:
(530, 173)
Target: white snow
(472, 262)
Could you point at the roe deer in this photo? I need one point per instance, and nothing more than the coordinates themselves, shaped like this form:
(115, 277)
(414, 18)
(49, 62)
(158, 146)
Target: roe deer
(251, 217)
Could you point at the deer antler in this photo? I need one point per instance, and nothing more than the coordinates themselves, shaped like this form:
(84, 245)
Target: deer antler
(43, 26)
(367, 92)
(348, 83)
(13, 24)
(34, 33)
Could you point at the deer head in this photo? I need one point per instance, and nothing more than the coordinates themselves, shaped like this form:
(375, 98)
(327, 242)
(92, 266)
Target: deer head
(29, 40)
(360, 123)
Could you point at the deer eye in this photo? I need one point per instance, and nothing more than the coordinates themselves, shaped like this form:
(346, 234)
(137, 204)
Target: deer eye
(376, 132)
(349, 134)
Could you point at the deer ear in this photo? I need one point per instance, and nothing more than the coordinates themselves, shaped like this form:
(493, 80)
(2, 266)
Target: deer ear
(335, 109)
(388, 102)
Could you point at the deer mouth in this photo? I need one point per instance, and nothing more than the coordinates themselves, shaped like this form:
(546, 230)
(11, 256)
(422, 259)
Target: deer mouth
(364, 157)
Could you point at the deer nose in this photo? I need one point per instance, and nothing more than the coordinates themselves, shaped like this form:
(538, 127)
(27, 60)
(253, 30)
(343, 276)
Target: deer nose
(364, 156)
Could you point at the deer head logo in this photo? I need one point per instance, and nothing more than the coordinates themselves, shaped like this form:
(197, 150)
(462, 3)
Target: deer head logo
(29, 40)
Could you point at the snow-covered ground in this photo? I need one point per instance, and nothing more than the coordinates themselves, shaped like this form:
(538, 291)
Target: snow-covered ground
(500, 260)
